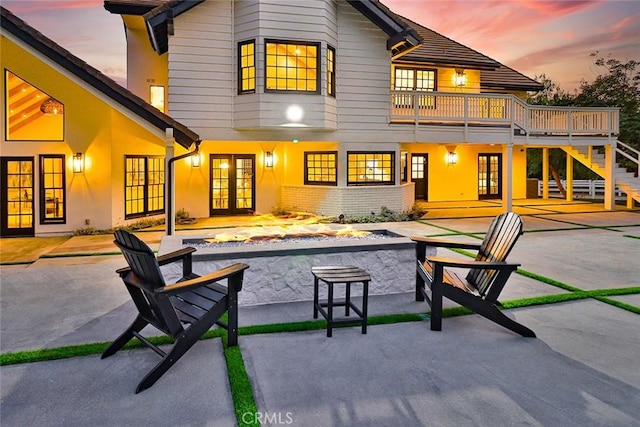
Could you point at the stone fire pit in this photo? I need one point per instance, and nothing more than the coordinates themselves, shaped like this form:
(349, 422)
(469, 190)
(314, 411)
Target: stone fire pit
(281, 271)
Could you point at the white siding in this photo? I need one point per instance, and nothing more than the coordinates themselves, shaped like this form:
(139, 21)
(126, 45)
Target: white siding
(364, 74)
(202, 68)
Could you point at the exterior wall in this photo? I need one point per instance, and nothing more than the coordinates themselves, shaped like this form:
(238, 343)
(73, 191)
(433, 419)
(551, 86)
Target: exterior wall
(93, 127)
(459, 182)
(144, 66)
(333, 201)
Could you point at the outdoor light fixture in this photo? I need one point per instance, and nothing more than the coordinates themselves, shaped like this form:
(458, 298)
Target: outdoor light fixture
(460, 78)
(268, 159)
(195, 160)
(451, 157)
(78, 163)
(51, 106)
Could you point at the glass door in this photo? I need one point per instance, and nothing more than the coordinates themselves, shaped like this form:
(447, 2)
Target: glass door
(232, 184)
(419, 173)
(16, 176)
(489, 176)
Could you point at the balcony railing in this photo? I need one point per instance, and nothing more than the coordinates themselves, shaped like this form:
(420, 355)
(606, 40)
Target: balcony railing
(420, 107)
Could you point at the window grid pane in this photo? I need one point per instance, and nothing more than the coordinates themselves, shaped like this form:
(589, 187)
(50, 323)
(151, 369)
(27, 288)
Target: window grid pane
(144, 186)
(291, 67)
(247, 67)
(52, 194)
(331, 71)
(370, 168)
(321, 168)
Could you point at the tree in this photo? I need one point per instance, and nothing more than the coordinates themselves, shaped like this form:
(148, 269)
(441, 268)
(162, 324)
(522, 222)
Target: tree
(619, 87)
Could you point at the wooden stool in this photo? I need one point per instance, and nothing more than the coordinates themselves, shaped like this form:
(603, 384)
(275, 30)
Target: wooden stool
(340, 274)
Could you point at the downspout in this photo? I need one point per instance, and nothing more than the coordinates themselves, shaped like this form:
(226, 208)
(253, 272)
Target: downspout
(170, 216)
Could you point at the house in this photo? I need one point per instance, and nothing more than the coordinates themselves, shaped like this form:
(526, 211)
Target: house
(78, 150)
(333, 107)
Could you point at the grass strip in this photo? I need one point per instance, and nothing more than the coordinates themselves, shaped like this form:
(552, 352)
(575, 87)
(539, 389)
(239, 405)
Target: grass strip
(619, 304)
(631, 236)
(16, 262)
(241, 391)
(548, 280)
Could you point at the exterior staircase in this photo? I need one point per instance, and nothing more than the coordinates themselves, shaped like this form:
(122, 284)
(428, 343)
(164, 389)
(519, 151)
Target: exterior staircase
(625, 181)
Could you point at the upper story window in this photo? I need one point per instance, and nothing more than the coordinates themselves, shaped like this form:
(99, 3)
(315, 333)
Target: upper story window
(292, 66)
(31, 114)
(370, 168)
(414, 79)
(156, 97)
(321, 168)
(247, 67)
(331, 71)
(410, 79)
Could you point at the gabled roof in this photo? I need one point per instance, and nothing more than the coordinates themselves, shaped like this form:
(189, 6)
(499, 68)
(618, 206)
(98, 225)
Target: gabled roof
(440, 50)
(159, 14)
(36, 40)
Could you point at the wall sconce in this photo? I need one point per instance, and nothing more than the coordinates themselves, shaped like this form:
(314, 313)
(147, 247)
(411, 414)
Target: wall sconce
(452, 156)
(268, 159)
(78, 163)
(195, 160)
(460, 78)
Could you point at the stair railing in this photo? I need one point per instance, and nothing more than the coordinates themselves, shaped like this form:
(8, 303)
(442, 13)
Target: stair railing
(630, 153)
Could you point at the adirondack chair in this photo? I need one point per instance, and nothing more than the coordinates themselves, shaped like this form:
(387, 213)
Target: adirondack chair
(487, 275)
(184, 310)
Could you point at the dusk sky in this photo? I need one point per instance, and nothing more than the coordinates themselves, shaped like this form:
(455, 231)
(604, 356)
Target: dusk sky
(531, 36)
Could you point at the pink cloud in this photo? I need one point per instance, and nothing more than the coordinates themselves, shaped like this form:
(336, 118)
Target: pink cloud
(26, 7)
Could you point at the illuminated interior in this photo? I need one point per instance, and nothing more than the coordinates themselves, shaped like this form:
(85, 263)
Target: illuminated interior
(32, 115)
(292, 67)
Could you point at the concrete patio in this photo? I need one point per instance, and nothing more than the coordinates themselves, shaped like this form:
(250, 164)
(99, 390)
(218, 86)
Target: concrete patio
(583, 368)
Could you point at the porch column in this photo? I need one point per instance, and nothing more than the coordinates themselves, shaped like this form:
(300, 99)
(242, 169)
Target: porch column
(545, 173)
(569, 178)
(609, 177)
(507, 193)
(169, 187)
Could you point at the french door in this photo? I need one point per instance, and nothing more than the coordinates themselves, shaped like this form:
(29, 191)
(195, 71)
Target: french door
(419, 174)
(490, 176)
(232, 184)
(16, 199)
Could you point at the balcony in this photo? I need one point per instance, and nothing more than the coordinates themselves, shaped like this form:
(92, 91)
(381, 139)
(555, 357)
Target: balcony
(501, 110)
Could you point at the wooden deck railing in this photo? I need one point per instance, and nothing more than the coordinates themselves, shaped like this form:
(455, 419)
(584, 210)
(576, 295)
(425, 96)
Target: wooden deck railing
(421, 107)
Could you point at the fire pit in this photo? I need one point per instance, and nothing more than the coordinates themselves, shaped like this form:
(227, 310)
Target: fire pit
(281, 258)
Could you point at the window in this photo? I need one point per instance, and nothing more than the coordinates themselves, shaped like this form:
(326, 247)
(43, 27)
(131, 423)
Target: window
(366, 168)
(331, 71)
(414, 80)
(31, 114)
(156, 97)
(292, 66)
(144, 186)
(247, 67)
(321, 168)
(403, 166)
(52, 189)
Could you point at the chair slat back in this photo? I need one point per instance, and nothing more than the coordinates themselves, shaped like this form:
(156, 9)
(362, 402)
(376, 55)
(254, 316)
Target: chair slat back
(155, 309)
(140, 258)
(504, 231)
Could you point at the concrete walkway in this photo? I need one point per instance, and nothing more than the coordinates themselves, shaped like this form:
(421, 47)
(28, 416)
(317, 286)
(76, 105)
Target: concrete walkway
(582, 370)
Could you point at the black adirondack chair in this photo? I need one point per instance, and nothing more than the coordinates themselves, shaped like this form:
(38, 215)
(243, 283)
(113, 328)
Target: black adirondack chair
(184, 310)
(486, 278)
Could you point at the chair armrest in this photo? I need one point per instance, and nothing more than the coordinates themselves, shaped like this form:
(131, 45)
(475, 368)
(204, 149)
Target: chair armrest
(175, 255)
(443, 243)
(211, 278)
(463, 263)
